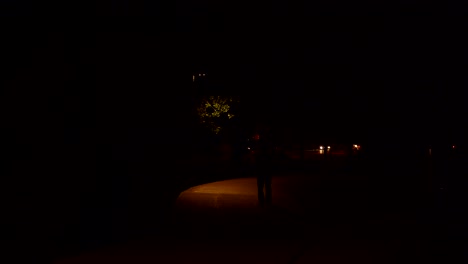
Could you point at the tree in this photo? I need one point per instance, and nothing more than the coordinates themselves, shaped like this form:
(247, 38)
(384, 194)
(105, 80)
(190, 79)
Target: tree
(215, 112)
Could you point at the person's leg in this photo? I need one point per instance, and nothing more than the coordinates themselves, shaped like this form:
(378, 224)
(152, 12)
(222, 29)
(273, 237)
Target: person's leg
(268, 177)
(268, 191)
(260, 184)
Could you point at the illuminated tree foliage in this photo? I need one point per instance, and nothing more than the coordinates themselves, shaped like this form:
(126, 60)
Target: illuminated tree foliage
(215, 111)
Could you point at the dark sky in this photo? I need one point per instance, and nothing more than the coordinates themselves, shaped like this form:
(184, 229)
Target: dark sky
(400, 72)
(385, 70)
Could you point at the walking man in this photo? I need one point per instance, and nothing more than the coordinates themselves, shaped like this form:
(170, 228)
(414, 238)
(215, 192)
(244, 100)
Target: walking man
(263, 150)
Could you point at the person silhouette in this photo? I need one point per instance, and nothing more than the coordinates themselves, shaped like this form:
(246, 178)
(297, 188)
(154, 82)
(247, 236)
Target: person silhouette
(263, 150)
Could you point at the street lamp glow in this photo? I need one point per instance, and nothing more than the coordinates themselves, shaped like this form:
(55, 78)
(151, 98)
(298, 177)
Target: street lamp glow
(321, 147)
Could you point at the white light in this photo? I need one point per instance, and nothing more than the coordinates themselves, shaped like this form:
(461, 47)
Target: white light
(203, 74)
(321, 147)
(328, 147)
(248, 147)
(355, 146)
(199, 74)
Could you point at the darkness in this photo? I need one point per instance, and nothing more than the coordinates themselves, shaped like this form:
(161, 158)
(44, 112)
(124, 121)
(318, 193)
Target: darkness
(95, 117)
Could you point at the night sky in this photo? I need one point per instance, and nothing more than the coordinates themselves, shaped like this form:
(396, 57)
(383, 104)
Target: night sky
(382, 73)
(396, 74)
(120, 88)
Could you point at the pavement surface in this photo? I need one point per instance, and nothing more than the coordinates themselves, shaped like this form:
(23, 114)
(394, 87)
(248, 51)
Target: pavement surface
(221, 222)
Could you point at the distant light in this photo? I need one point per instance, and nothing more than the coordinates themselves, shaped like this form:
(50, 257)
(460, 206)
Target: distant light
(355, 146)
(199, 74)
(328, 147)
(248, 147)
(193, 78)
(321, 147)
(453, 146)
(203, 74)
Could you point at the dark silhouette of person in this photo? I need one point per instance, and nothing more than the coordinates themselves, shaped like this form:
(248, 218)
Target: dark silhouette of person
(264, 153)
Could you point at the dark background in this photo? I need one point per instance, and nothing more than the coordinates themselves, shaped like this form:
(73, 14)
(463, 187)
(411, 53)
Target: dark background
(92, 111)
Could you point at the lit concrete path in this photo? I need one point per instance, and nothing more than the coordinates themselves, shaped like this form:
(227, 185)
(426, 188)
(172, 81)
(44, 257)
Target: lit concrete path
(218, 222)
(240, 196)
(221, 222)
